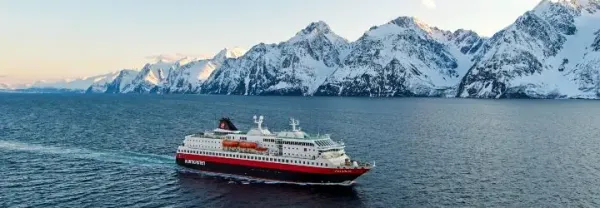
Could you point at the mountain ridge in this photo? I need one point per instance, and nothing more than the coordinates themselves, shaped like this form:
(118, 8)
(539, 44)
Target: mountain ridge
(551, 51)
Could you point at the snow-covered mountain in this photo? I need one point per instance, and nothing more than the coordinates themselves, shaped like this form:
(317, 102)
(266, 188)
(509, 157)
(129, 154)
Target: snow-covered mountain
(101, 83)
(122, 82)
(297, 66)
(404, 57)
(552, 51)
(5, 86)
(549, 52)
(79, 84)
(152, 78)
(189, 77)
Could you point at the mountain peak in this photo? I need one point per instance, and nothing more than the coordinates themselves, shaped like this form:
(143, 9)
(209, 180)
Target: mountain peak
(406, 22)
(229, 53)
(174, 58)
(318, 27)
(316, 30)
(578, 4)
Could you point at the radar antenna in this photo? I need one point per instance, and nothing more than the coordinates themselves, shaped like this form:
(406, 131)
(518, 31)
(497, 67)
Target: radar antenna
(258, 121)
(294, 123)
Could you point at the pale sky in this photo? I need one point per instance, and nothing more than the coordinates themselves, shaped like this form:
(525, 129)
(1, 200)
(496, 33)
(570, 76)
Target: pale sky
(48, 39)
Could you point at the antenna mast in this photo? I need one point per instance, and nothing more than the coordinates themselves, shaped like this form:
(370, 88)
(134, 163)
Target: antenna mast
(258, 121)
(294, 123)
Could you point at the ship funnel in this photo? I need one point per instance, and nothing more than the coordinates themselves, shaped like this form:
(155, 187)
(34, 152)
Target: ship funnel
(226, 124)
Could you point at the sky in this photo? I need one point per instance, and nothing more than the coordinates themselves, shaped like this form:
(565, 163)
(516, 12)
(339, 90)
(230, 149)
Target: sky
(51, 39)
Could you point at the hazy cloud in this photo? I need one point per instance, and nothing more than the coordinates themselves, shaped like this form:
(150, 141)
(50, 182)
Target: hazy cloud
(430, 4)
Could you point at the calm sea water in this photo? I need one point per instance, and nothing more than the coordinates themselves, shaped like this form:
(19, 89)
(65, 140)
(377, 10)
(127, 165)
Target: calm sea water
(64, 150)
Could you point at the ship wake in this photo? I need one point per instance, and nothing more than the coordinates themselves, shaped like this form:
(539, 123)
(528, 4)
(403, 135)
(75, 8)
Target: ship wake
(123, 157)
(251, 180)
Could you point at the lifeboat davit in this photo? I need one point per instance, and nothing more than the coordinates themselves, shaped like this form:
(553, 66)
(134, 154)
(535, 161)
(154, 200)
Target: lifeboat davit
(230, 143)
(249, 145)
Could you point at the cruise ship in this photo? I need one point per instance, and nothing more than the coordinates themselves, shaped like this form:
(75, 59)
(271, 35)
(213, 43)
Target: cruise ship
(292, 156)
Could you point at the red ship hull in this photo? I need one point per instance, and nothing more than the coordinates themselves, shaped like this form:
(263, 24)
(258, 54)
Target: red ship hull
(294, 173)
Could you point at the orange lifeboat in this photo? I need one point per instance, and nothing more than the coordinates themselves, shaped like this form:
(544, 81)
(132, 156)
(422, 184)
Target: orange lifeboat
(261, 149)
(249, 145)
(230, 143)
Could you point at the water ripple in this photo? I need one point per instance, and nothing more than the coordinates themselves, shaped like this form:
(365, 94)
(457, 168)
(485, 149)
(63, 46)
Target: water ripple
(118, 151)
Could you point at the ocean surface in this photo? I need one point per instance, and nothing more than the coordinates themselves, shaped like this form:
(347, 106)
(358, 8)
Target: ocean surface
(71, 150)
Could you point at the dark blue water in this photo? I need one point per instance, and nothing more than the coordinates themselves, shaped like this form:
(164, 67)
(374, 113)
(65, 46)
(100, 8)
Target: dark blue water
(117, 151)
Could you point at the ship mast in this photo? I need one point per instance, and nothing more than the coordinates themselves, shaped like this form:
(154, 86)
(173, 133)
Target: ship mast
(258, 121)
(294, 123)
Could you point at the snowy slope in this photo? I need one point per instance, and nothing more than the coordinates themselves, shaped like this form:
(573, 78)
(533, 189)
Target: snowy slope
(5, 86)
(294, 67)
(152, 78)
(100, 84)
(79, 84)
(123, 81)
(404, 57)
(547, 53)
(189, 77)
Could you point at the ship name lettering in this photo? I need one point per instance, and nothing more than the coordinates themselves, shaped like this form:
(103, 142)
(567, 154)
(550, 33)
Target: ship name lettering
(195, 162)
